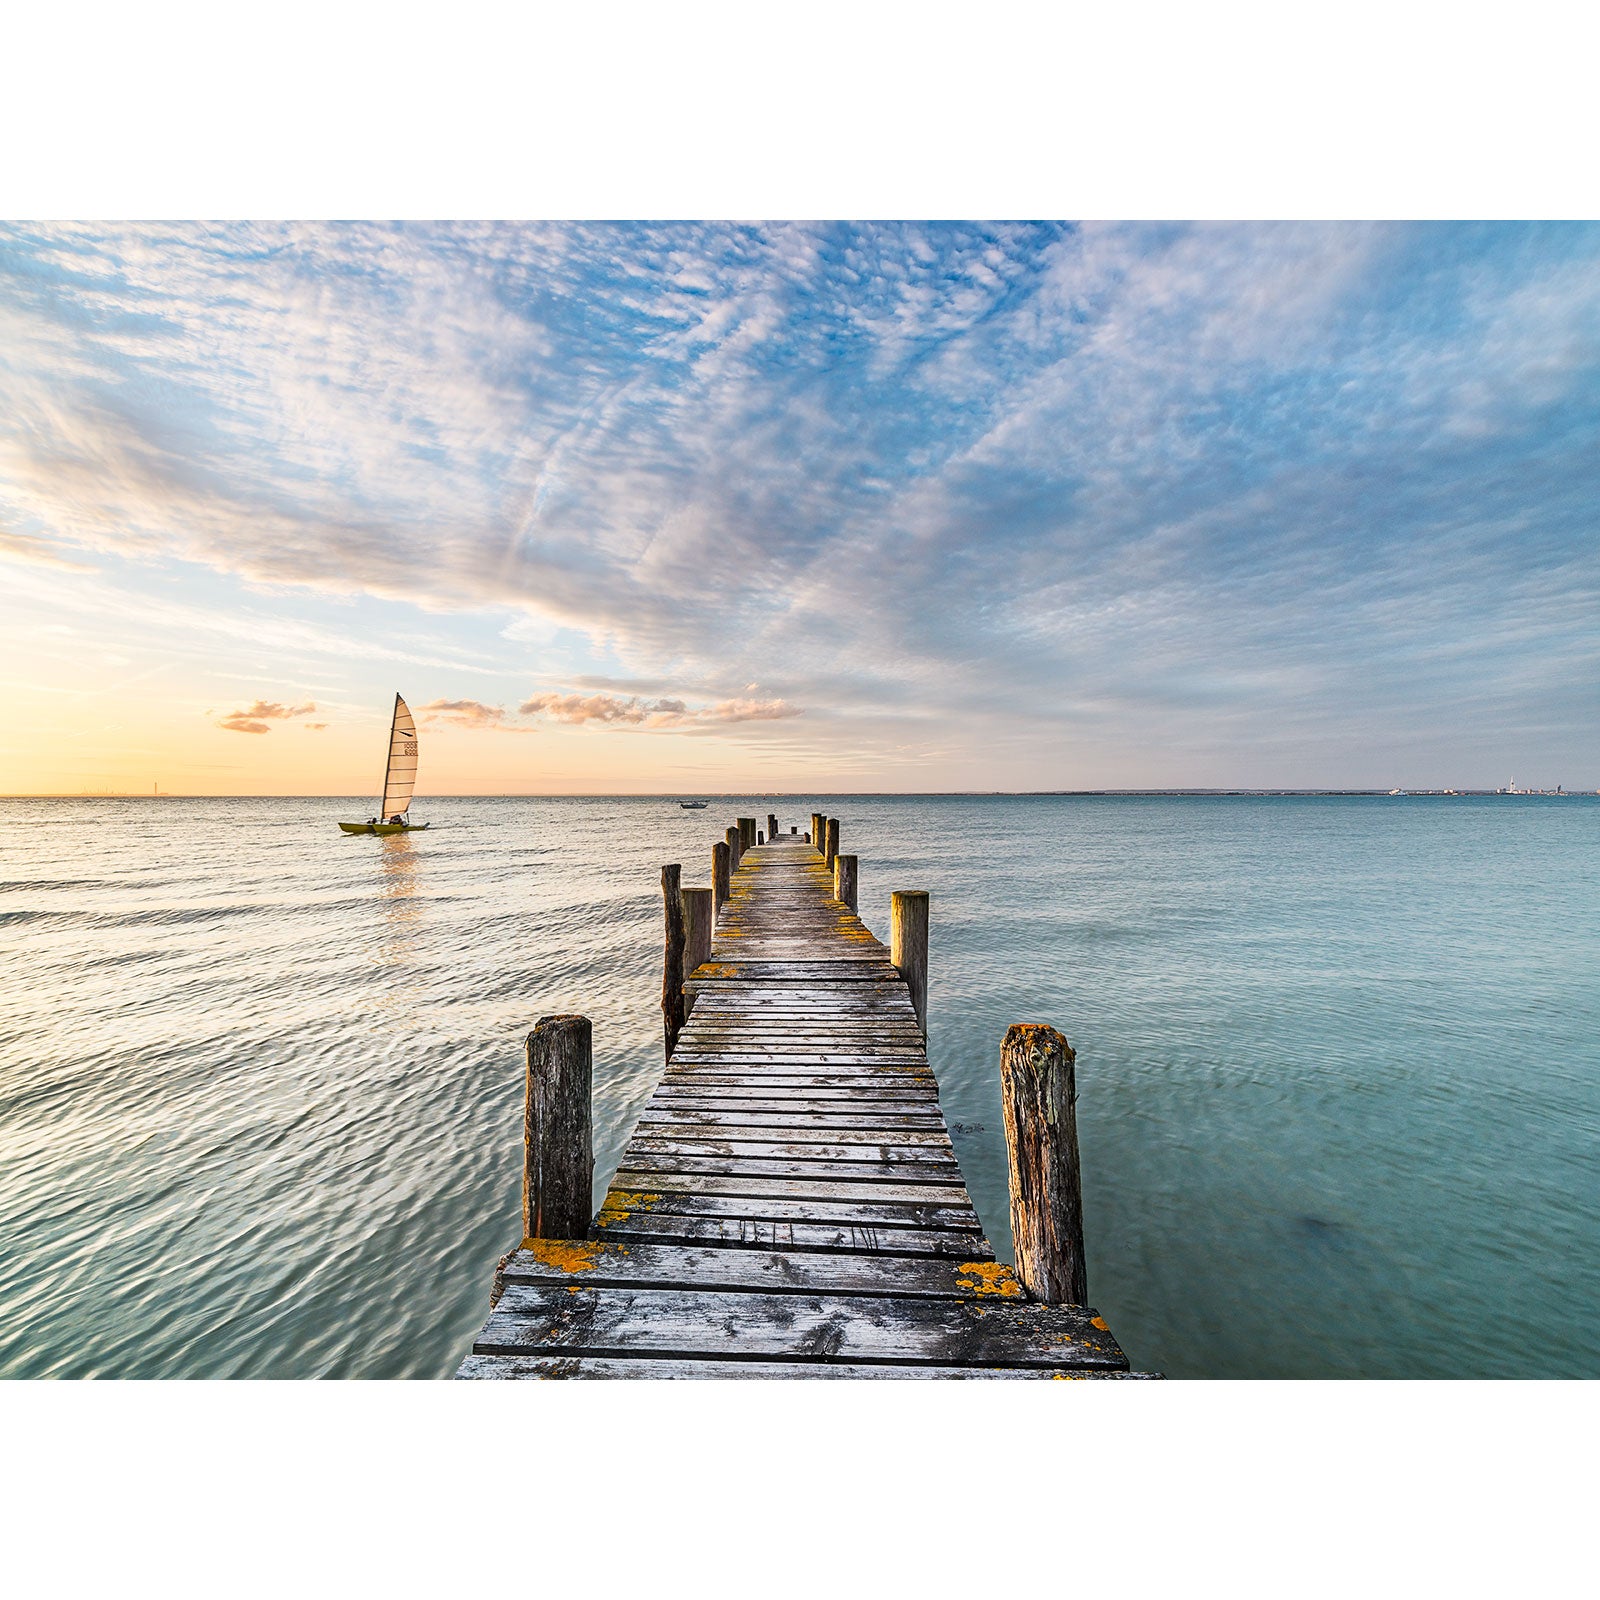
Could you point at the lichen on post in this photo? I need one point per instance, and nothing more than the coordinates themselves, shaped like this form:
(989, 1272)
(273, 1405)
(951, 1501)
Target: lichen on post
(832, 849)
(557, 1130)
(1038, 1092)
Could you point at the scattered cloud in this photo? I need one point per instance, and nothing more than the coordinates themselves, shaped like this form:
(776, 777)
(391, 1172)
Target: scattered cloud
(632, 711)
(468, 714)
(254, 718)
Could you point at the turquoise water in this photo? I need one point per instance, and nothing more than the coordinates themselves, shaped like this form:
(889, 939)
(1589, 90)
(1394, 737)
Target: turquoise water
(1338, 1064)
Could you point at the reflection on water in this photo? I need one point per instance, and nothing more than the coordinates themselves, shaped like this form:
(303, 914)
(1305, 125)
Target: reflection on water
(260, 1109)
(397, 885)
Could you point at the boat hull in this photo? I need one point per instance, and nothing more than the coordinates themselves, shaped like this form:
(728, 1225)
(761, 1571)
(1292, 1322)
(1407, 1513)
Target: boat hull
(383, 827)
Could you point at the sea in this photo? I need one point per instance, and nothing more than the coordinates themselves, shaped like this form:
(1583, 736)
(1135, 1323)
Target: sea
(1338, 1063)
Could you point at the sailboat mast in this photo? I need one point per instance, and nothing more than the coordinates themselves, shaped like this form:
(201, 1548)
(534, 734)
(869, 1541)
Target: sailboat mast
(388, 759)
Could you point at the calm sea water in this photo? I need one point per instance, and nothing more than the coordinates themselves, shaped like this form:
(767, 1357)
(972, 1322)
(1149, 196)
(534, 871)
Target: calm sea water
(1338, 1064)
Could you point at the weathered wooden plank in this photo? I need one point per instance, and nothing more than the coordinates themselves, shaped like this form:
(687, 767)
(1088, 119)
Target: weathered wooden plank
(794, 969)
(774, 1055)
(796, 1187)
(598, 1263)
(653, 1165)
(600, 1368)
(771, 1233)
(842, 1121)
(847, 1074)
(800, 1031)
(889, 1095)
(879, 1151)
(884, 1213)
(756, 1135)
(539, 1320)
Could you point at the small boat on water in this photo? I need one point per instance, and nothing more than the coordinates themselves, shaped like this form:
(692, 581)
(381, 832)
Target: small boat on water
(399, 779)
(692, 805)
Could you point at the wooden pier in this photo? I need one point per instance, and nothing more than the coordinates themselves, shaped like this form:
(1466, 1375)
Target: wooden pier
(790, 1204)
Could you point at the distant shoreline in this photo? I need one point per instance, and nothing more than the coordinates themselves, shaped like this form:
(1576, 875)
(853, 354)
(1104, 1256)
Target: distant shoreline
(888, 794)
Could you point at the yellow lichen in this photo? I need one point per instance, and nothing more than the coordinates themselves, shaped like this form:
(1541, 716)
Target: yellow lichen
(620, 1204)
(1100, 1323)
(566, 1255)
(989, 1277)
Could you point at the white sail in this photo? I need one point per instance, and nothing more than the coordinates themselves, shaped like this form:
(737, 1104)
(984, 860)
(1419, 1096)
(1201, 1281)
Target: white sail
(401, 776)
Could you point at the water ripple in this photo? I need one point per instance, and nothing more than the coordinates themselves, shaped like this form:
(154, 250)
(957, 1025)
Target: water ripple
(260, 1110)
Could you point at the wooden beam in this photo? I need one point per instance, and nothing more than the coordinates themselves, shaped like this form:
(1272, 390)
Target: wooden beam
(721, 869)
(1038, 1094)
(908, 946)
(697, 921)
(672, 1007)
(557, 1130)
(844, 880)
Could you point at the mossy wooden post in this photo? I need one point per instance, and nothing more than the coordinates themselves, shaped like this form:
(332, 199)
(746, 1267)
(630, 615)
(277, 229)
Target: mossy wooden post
(833, 840)
(697, 920)
(1037, 1094)
(816, 829)
(761, 837)
(734, 850)
(747, 832)
(844, 880)
(721, 858)
(772, 827)
(558, 1131)
(672, 966)
(908, 946)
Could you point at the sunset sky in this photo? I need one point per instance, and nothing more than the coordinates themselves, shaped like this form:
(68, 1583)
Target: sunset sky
(794, 506)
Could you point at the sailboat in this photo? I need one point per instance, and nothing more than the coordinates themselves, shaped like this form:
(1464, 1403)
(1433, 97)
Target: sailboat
(399, 778)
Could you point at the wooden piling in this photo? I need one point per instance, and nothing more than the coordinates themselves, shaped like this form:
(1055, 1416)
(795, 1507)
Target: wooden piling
(672, 1013)
(558, 1131)
(817, 820)
(844, 880)
(1038, 1094)
(735, 849)
(721, 867)
(697, 920)
(832, 849)
(908, 946)
(747, 833)
(772, 826)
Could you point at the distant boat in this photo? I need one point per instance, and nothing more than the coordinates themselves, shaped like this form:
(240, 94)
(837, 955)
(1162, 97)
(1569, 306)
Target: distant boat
(1397, 791)
(693, 805)
(399, 779)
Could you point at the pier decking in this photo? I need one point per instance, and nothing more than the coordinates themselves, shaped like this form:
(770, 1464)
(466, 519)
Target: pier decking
(790, 1204)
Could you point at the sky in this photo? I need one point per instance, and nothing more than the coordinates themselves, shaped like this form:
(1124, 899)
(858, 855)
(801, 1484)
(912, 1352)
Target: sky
(799, 507)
